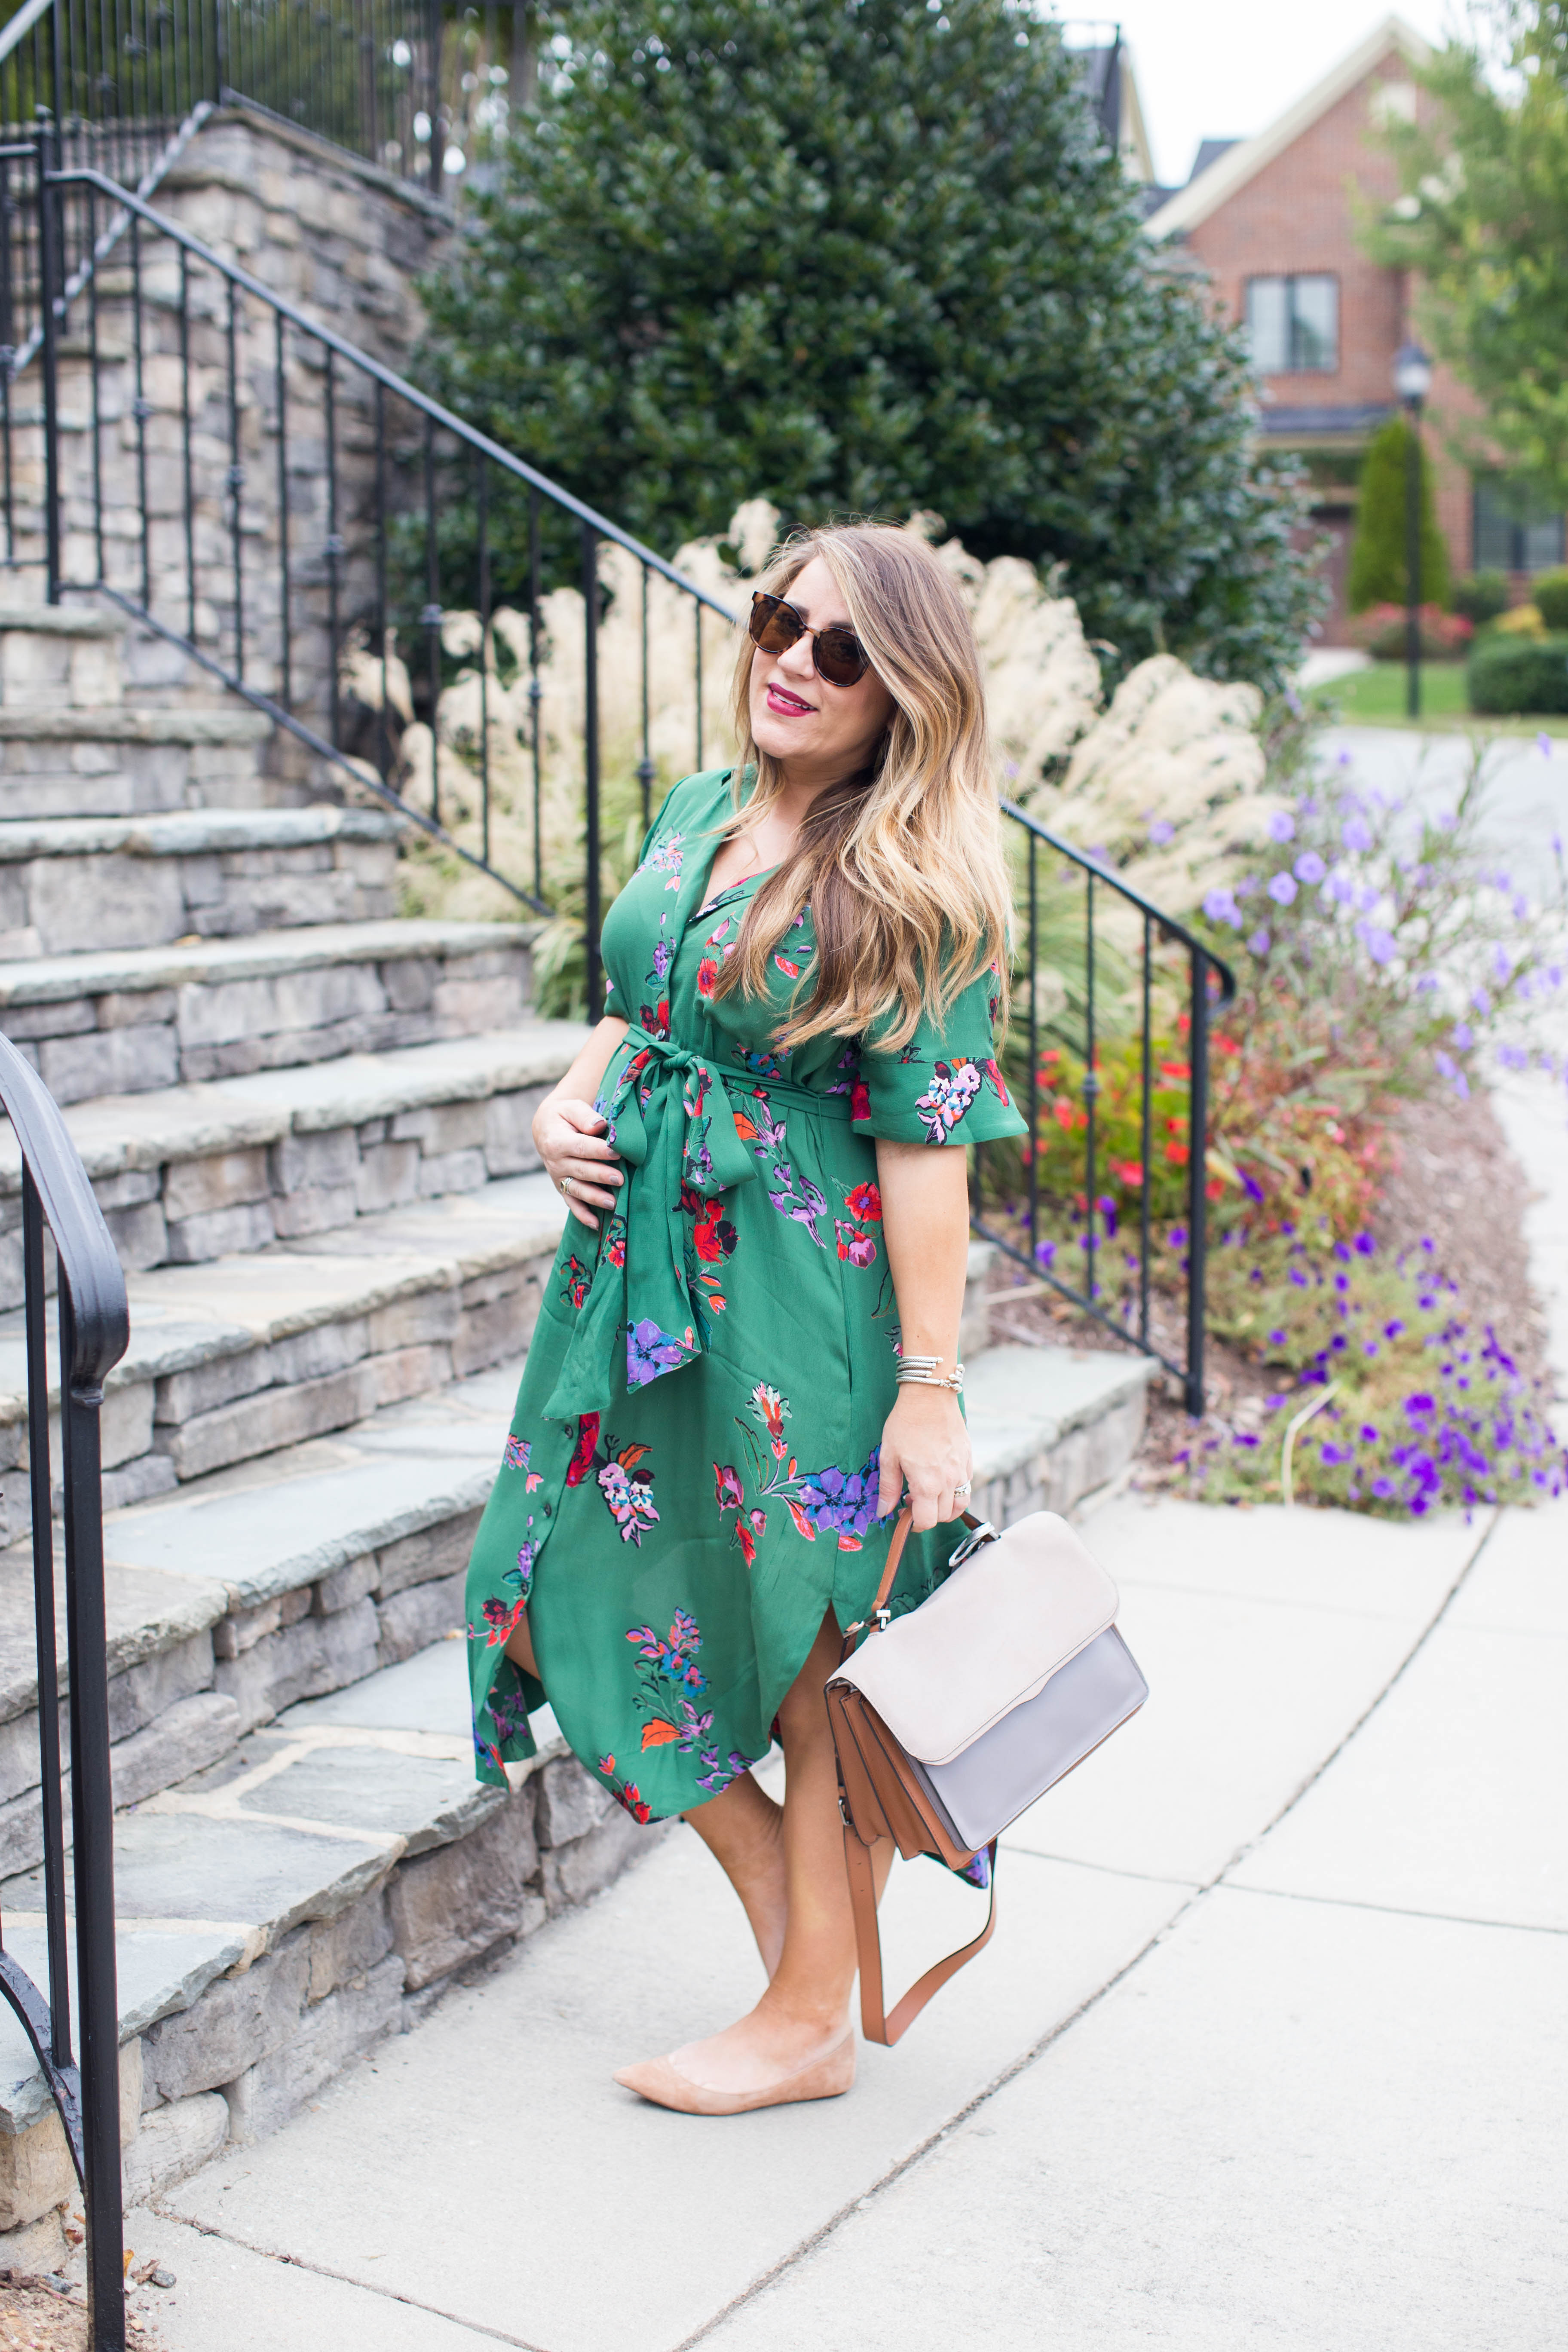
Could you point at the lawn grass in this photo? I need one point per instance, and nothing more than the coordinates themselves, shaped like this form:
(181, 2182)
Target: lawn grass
(1375, 697)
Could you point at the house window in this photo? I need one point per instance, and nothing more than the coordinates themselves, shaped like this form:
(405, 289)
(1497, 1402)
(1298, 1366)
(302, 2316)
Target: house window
(1514, 530)
(1293, 325)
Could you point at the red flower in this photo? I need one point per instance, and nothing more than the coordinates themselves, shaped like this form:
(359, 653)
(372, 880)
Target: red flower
(859, 1100)
(1177, 1154)
(607, 1763)
(658, 1734)
(865, 1202)
(707, 973)
(747, 1541)
(501, 1621)
(998, 1081)
(803, 1526)
(714, 1238)
(784, 965)
(727, 1488)
(582, 1461)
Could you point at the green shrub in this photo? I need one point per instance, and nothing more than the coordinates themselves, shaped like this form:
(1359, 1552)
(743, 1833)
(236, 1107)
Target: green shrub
(1481, 595)
(1514, 674)
(1377, 552)
(1551, 598)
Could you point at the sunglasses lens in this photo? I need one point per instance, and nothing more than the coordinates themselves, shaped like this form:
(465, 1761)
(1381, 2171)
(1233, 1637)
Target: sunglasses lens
(773, 626)
(840, 657)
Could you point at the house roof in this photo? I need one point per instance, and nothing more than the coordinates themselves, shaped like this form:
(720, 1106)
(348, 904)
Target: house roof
(1207, 193)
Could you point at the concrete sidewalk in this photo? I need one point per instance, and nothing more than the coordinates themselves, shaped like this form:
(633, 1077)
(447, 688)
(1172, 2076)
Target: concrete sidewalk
(1270, 2041)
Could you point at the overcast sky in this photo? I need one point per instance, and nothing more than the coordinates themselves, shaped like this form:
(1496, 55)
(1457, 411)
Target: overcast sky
(1224, 68)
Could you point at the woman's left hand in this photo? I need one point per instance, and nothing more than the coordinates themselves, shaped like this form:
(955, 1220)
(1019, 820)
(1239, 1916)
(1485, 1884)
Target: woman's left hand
(925, 1447)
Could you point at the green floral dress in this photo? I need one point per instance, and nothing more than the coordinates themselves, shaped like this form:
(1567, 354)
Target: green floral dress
(690, 1481)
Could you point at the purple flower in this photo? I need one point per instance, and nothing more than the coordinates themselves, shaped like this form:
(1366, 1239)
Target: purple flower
(1282, 889)
(1364, 1246)
(1480, 1001)
(1379, 944)
(1341, 760)
(1384, 1489)
(1045, 1252)
(1282, 826)
(1463, 1035)
(1176, 1238)
(1418, 1404)
(650, 1351)
(1259, 943)
(1161, 831)
(1446, 1066)
(1392, 1330)
(1276, 1338)
(1309, 866)
(1355, 835)
(1220, 907)
(1544, 744)
(1334, 1454)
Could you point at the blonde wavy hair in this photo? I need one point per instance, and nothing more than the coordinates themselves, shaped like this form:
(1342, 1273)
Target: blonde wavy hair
(902, 866)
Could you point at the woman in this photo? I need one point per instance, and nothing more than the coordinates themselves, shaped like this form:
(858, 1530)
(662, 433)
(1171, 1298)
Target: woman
(711, 1439)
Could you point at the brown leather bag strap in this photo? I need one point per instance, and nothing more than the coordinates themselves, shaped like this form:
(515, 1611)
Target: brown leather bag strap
(895, 1543)
(875, 2023)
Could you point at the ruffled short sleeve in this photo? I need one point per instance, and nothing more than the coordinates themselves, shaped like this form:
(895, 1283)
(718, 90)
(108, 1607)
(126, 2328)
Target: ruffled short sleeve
(945, 1086)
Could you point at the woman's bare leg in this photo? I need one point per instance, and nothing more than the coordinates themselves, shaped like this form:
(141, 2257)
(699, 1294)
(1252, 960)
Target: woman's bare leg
(743, 1829)
(806, 2009)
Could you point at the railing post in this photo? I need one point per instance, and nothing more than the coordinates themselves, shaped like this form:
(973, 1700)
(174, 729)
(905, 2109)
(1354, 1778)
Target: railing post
(92, 1814)
(1198, 1180)
(591, 770)
(50, 276)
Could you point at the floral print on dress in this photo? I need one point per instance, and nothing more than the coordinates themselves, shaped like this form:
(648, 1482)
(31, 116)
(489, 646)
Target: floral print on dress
(516, 1454)
(665, 855)
(627, 1793)
(650, 1351)
(624, 1482)
(954, 1086)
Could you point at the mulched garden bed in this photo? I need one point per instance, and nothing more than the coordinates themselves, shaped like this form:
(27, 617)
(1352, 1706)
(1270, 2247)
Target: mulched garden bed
(41, 2315)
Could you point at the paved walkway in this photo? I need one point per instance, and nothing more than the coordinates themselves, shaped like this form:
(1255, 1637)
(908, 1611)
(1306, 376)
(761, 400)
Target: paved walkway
(1270, 2044)
(1271, 2047)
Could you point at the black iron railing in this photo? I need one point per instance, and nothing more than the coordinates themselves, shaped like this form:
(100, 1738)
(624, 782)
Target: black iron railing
(1111, 988)
(264, 572)
(94, 1328)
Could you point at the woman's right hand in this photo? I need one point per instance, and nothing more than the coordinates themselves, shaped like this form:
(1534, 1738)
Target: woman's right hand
(570, 1137)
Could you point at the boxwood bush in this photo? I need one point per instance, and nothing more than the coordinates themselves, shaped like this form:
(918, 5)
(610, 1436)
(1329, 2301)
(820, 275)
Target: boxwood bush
(1514, 674)
(1549, 592)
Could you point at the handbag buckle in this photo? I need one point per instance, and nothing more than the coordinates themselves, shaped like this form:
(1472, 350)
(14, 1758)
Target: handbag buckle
(983, 1533)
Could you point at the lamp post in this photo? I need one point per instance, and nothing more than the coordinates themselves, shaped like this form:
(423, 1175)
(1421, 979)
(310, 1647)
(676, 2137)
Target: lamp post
(1413, 381)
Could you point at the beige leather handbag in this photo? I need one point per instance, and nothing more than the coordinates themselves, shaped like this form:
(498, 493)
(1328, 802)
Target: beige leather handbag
(949, 1721)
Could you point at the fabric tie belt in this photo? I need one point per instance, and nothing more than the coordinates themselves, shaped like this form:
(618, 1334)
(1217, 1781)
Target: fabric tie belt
(672, 1122)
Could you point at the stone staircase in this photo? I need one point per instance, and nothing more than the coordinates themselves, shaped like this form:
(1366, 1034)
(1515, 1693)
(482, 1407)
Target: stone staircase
(308, 1122)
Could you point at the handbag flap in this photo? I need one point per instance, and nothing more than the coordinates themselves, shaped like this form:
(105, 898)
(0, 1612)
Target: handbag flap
(989, 1637)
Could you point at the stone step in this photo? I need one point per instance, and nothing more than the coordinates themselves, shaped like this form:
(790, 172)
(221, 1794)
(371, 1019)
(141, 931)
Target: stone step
(190, 1174)
(232, 1359)
(70, 884)
(256, 1587)
(55, 656)
(281, 1912)
(130, 1020)
(115, 761)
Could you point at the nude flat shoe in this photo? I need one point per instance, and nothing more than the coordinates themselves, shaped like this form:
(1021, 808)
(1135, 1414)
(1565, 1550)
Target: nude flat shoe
(664, 2085)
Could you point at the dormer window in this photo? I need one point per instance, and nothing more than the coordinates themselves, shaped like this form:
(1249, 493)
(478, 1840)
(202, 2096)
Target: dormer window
(1293, 325)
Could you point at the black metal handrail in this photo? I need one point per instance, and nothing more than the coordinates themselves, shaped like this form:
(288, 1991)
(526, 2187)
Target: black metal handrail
(94, 1330)
(1210, 985)
(328, 572)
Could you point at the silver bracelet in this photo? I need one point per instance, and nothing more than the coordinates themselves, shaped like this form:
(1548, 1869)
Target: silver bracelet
(919, 1373)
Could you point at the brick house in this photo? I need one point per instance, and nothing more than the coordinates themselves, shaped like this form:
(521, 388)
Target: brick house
(1271, 224)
